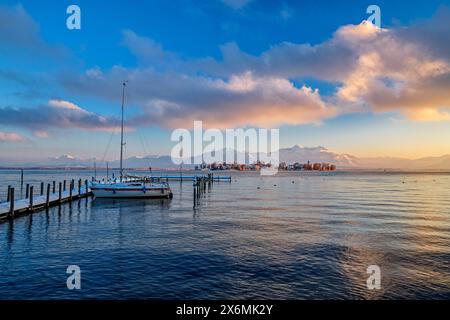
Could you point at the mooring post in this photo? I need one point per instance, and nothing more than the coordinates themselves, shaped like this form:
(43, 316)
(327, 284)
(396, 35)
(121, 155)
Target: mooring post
(54, 187)
(11, 203)
(60, 193)
(21, 177)
(64, 185)
(27, 191)
(47, 202)
(195, 191)
(31, 198)
(86, 187)
(71, 190)
(42, 188)
(8, 194)
(79, 188)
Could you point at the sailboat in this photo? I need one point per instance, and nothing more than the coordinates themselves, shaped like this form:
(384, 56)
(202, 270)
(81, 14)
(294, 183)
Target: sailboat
(125, 189)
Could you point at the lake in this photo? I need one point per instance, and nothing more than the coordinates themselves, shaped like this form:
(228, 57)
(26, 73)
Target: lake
(298, 235)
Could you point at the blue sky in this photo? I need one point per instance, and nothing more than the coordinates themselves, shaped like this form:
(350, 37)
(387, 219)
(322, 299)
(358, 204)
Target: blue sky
(189, 59)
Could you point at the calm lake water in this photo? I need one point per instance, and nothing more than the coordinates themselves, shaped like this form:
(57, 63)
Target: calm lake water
(294, 236)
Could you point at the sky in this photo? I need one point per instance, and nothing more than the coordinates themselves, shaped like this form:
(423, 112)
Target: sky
(317, 70)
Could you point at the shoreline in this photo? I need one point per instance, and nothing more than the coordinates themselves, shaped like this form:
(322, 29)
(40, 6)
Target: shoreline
(341, 170)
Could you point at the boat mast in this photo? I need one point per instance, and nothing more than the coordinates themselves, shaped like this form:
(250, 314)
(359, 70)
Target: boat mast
(121, 132)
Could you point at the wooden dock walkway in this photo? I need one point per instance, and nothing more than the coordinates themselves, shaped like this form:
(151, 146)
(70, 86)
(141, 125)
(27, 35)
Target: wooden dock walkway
(53, 197)
(191, 178)
(55, 194)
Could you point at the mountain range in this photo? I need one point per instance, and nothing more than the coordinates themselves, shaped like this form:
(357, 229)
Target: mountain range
(289, 155)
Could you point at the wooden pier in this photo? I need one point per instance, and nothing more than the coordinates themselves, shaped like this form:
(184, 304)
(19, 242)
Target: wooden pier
(49, 197)
(190, 178)
(53, 194)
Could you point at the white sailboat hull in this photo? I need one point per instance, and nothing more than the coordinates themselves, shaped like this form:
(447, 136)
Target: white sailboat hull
(131, 191)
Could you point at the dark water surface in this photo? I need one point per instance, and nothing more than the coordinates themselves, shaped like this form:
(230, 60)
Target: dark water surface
(294, 236)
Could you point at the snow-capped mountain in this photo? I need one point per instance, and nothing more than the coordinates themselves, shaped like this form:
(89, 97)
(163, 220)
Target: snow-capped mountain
(318, 154)
(288, 155)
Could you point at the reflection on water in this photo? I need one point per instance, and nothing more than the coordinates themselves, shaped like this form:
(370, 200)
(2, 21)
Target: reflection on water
(298, 235)
(131, 203)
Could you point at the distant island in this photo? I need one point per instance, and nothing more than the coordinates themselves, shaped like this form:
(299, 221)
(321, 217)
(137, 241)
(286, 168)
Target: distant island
(257, 166)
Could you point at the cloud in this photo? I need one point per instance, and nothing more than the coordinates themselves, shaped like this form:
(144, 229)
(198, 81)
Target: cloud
(372, 69)
(17, 28)
(245, 100)
(395, 73)
(403, 69)
(236, 4)
(175, 100)
(10, 137)
(20, 38)
(57, 114)
(286, 12)
(147, 50)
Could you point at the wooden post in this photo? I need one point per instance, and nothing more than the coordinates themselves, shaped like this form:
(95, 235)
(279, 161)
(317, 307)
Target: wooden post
(71, 190)
(21, 177)
(31, 197)
(86, 187)
(47, 202)
(79, 188)
(27, 191)
(64, 185)
(195, 192)
(42, 188)
(54, 187)
(11, 203)
(60, 193)
(8, 194)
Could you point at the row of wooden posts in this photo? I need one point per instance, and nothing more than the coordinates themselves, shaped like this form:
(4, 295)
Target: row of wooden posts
(201, 185)
(29, 194)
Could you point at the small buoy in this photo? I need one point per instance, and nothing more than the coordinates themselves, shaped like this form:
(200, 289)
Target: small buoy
(274, 185)
(258, 188)
(293, 181)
